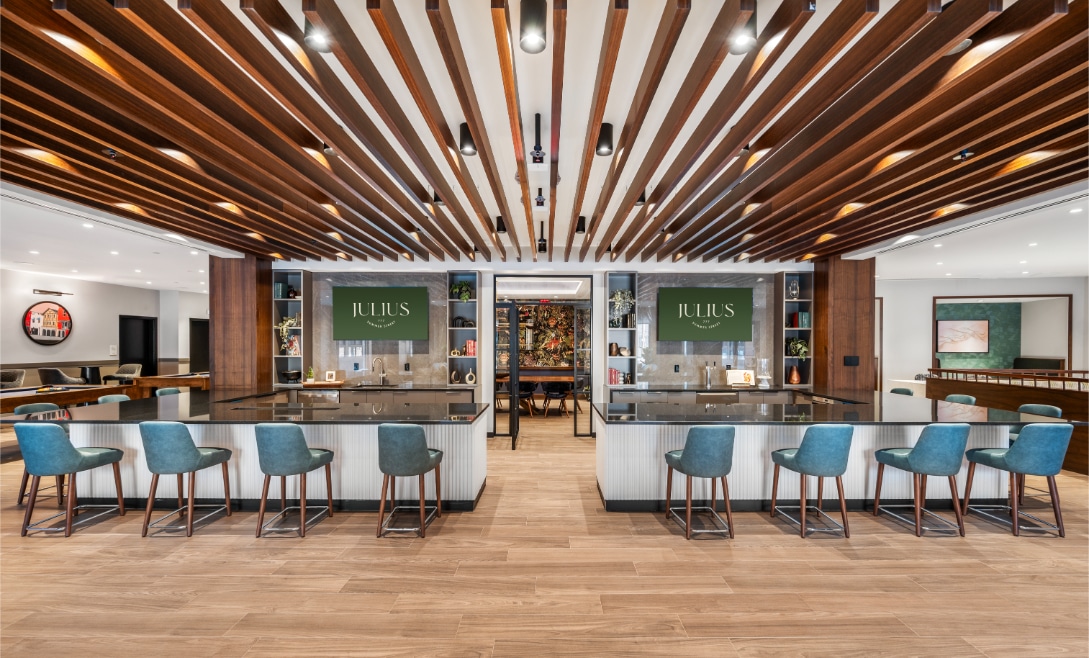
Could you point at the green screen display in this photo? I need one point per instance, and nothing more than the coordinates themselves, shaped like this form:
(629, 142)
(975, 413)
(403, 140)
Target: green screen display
(705, 314)
(380, 313)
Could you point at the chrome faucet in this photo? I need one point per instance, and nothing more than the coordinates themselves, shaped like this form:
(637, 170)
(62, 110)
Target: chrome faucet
(381, 375)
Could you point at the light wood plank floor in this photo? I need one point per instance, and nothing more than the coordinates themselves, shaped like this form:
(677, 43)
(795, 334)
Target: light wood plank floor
(540, 569)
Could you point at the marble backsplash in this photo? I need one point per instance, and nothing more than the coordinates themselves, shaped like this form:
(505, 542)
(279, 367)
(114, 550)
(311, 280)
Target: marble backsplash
(353, 359)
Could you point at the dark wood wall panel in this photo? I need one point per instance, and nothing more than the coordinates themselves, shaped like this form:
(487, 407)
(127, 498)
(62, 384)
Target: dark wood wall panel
(843, 299)
(240, 308)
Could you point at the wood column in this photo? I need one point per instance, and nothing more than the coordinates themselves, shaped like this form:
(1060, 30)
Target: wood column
(843, 324)
(240, 322)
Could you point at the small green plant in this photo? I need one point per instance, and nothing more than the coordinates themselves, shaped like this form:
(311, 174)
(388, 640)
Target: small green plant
(310, 372)
(462, 290)
(798, 347)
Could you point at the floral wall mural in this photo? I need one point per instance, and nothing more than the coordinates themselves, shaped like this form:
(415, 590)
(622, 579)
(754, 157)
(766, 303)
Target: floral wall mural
(553, 334)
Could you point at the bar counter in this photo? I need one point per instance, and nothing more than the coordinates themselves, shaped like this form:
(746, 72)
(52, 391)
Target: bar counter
(632, 439)
(349, 429)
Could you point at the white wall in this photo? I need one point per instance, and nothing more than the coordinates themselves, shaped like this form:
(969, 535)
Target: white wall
(908, 317)
(175, 310)
(1043, 328)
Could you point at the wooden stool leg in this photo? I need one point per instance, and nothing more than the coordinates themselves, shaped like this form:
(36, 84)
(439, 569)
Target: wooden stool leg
(968, 487)
(117, 483)
(843, 507)
(916, 484)
(283, 492)
(726, 499)
(801, 500)
(261, 509)
(302, 505)
(30, 503)
(227, 488)
(774, 488)
(181, 493)
(22, 486)
(150, 503)
(877, 489)
(1013, 505)
(71, 507)
(423, 514)
(669, 487)
(192, 491)
(60, 490)
(714, 483)
(820, 493)
(1021, 491)
(1054, 490)
(687, 506)
(922, 492)
(438, 490)
(956, 503)
(329, 487)
(382, 503)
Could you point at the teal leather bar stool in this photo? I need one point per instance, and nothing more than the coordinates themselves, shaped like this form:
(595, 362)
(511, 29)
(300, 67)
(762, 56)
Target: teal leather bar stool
(1039, 450)
(282, 451)
(160, 392)
(48, 451)
(940, 452)
(960, 399)
(902, 391)
(37, 408)
(1040, 410)
(708, 453)
(169, 450)
(823, 453)
(403, 452)
(110, 399)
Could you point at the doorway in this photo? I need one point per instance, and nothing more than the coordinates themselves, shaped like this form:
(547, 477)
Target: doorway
(138, 342)
(542, 359)
(198, 345)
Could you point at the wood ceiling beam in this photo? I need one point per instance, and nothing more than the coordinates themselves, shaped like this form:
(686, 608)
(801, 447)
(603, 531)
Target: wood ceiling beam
(504, 41)
(849, 121)
(399, 45)
(446, 37)
(734, 14)
(220, 95)
(109, 90)
(830, 39)
(925, 102)
(615, 18)
(559, 49)
(668, 34)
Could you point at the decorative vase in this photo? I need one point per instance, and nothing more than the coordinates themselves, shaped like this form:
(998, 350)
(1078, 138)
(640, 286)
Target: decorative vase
(614, 349)
(794, 377)
(470, 378)
(455, 377)
(793, 289)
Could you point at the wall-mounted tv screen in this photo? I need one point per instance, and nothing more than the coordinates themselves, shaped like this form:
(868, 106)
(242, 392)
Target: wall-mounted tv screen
(705, 314)
(963, 336)
(380, 313)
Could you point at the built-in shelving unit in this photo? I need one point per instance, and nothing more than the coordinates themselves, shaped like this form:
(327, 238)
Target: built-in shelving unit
(291, 345)
(463, 322)
(793, 321)
(622, 348)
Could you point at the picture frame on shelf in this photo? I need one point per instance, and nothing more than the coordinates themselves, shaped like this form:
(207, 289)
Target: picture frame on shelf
(330, 375)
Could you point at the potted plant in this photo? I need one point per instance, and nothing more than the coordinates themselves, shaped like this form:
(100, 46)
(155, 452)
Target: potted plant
(462, 290)
(798, 347)
(310, 375)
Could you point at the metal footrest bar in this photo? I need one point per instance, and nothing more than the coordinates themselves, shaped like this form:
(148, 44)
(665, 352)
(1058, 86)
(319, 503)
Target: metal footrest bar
(216, 509)
(428, 518)
(36, 527)
(308, 521)
(949, 525)
(779, 509)
(980, 509)
(677, 512)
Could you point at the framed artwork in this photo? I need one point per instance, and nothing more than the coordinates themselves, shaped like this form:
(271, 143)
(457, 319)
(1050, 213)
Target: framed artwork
(963, 336)
(47, 323)
(330, 375)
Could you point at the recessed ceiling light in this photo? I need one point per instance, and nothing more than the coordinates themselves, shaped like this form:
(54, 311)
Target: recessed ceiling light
(137, 271)
(1074, 210)
(194, 253)
(939, 263)
(1024, 273)
(35, 252)
(75, 270)
(936, 246)
(201, 271)
(114, 253)
(88, 225)
(149, 283)
(1032, 244)
(1022, 262)
(202, 283)
(948, 274)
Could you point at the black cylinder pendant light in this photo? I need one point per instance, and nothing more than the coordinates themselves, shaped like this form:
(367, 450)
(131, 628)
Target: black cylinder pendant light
(538, 151)
(744, 38)
(534, 19)
(500, 225)
(580, 225)
(605, 139)
(542, 243)
(466, 144)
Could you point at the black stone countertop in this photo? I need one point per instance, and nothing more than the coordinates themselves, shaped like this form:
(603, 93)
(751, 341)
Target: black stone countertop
(198, 407)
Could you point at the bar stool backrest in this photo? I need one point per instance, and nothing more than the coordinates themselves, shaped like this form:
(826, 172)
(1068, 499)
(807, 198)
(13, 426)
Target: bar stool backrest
(824, 450)
(940, 449)
(708, 451)
(109, 399)
(402, 449)
(960, 398)
(46, 449)
(35, 407)
(902, 391)
(1041, 410)
(168, 447)
(1039, 449)
(167, 391)
(281, 449)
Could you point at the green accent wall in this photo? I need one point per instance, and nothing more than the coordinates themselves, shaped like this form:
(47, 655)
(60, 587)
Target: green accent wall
(1004, 330)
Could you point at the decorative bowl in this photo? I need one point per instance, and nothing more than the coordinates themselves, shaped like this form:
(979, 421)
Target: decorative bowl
(292, 376)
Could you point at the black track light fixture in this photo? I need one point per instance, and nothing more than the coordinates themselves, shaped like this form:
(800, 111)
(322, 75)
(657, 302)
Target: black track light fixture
(500, 225)
(642, 200)
(542, 242)
(327, 150)
(466, 143)
(437, 200)
(316, 38)
(744, 38)
(540, 197)
(580, 225)
(605, 139)
(963, 155)
(534, 22)
(537, 154)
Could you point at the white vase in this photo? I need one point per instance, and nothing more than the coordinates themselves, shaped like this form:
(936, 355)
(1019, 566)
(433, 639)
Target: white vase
(471, 377)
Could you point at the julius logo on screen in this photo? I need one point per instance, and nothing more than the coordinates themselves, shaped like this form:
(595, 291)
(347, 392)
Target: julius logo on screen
(705, 316)
(380, 314)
